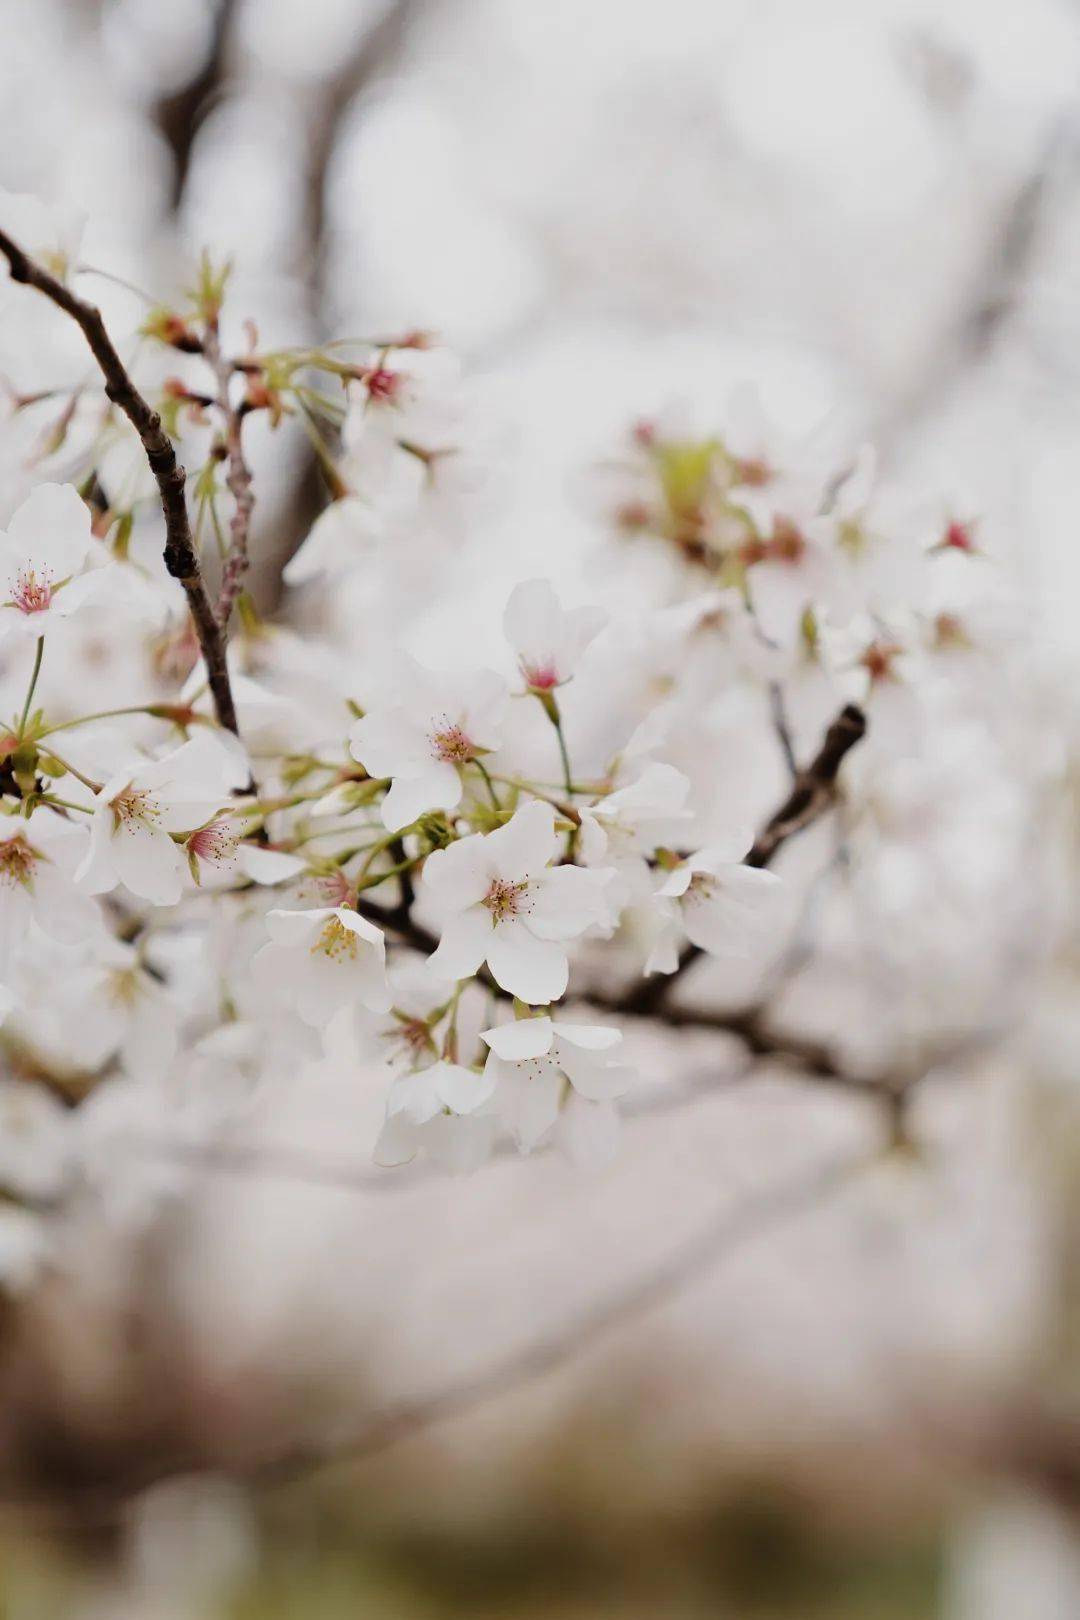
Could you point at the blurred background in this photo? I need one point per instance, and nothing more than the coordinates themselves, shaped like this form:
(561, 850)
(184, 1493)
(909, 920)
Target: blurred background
(858, 1401)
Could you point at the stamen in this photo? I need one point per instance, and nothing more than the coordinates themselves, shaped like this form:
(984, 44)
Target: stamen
(132, 805)
(17, 862)
(29, 593)
(505, 900)
(449, 742)
(336, 941)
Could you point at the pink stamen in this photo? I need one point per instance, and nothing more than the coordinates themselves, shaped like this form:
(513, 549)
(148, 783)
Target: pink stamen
(450, 743)
(31, 594)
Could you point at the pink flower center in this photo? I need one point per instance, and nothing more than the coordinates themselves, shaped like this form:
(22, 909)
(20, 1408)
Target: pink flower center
(17, 862)
(958, 538)
(330, 889)
(879, 658)
(753, 471)
(505, 900)
(544, 677)
(216, 843)
(383, 384)
(787, 543)
(31, 594)
(449, 742)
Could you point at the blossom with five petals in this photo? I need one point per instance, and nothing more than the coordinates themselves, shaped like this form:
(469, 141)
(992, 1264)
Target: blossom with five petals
(436, 724)
(504, 903)
(548, 638)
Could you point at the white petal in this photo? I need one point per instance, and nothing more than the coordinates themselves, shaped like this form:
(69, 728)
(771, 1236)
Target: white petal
(340, 537)
(296, 928)
(589, 1037)
(536, 970)
(267, 866)
(410, 797)
(526, 844)
(459, 875)
(148, 862)
(50, 530)
(525, 1038)
(465, 939)
(463, 1090)
(566, 900)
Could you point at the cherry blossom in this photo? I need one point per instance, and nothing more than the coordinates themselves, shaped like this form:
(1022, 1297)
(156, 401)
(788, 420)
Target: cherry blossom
(534, 1062)
(423, 1093)
(38, 860)
(788, 570)
(436, 726)
(505, 904)
(623, 829)
(141, 808)
(323, 960)
(342, 534)
(548, 638)
(44, 555)
(719, 902)
(51, 233)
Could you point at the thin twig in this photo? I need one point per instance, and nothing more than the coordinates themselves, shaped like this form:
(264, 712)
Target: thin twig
(237, 477)
(181, 558)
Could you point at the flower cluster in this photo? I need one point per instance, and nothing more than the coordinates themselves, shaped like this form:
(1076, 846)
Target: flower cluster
(443, 867)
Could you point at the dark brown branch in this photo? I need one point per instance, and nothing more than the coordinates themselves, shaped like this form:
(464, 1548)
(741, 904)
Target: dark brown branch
(237, 477)
(181, 558)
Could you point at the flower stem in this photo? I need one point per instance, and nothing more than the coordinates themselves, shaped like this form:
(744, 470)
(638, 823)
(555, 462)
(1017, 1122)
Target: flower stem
(38, 655)
(551, 709)
(482, 768)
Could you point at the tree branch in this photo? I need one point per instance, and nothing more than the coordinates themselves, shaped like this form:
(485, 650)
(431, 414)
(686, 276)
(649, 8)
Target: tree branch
(237, 477)
(181, 558)
(724, 1234)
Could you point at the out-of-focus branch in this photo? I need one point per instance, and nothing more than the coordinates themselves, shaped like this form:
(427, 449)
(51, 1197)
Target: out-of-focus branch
(724, 1234)
(376, 53)
(180, 116)
(181, 558)
(994, 290)
(237, 477)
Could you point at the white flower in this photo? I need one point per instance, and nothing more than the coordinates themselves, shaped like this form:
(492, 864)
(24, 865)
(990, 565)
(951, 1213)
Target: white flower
(790, 570)
(441, 1086)
(622, 829)
(50, 234)
(534, 1062)
(411, 395)
(458, 1142)
(548, 638)
(507, 906)
(140, 808)
(320, 961)
(771, 468)
(112, 1007)
(337, 541)
(721, 903)
(43, 558)
(881, 564)
(437, 724)
(38, 859)
(635, 818)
